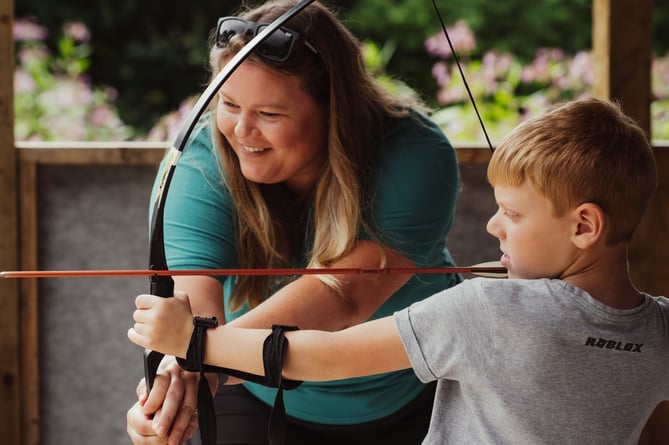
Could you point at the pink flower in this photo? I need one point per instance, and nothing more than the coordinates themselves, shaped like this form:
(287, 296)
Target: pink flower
(77, 31)
(36, 53)
(23, 82)
(101, 115)
(454, 93)
(441, 73)
(461, 37)
(28, 29)
(581, 67)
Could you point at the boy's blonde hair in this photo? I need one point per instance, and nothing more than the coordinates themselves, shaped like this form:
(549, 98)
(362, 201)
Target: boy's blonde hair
(583, 151)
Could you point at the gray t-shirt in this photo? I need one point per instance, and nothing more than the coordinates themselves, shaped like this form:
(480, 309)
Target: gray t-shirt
(537, 362)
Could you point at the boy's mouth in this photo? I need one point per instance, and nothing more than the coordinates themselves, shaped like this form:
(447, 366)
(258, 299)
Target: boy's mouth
(505, 260)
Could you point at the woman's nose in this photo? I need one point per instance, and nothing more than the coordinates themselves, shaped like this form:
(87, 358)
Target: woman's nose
(244, 126)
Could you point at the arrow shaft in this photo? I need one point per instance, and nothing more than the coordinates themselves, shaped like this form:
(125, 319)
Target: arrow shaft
(264, 272)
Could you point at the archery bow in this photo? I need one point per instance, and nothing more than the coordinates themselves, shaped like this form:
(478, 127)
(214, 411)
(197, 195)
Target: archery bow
(163, 285)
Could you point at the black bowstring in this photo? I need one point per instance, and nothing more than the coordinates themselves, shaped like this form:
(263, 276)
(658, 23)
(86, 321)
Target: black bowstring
(157, 253)
(462, 74)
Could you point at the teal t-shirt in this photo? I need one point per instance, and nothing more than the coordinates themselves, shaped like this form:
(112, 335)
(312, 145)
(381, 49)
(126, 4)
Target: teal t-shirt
(413, 207)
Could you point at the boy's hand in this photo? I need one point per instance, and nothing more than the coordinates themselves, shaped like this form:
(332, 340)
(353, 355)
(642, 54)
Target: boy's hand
(163, 324)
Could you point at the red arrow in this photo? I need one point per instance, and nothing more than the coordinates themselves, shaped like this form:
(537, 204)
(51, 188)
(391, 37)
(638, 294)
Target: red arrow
(487, 269)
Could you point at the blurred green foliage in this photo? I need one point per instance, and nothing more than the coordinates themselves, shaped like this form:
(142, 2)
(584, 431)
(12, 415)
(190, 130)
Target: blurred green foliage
(54, 98)
(154, 53)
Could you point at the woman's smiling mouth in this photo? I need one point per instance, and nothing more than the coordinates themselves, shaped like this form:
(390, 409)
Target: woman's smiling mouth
(248, 149)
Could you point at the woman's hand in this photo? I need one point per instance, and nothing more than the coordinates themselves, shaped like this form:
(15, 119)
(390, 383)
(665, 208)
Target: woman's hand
(168, 414)
(163, 324)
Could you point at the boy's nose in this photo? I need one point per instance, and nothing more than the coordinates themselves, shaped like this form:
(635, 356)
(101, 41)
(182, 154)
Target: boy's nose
(492, 227)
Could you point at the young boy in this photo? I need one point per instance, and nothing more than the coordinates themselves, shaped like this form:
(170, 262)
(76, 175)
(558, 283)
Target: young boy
(564, 351)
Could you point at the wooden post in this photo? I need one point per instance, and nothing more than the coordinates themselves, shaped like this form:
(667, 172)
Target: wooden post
(10, 400)
(622, 37)
(622, 57)
(621, 33)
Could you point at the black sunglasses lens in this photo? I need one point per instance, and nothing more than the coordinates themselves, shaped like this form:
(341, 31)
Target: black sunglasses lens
(229, 27)
(278, 45)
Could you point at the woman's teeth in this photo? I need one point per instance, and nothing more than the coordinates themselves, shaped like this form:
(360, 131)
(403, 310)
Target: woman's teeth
(252, 149)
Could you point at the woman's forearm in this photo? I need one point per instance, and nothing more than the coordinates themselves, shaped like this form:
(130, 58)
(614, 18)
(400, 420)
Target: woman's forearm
(309, 304)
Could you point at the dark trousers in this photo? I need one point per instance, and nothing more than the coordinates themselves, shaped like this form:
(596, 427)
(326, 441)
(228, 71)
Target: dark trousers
(242, 420)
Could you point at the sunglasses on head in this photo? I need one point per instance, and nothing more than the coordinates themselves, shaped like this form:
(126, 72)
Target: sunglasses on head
(277, 47)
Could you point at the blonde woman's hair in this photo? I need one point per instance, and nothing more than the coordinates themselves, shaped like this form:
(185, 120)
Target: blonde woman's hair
(583, 151)
(270, 233)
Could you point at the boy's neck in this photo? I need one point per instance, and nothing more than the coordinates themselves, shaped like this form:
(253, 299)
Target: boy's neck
(605, 276)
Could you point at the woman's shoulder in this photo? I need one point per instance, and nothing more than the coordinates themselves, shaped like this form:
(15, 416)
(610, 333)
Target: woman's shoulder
(201, 140)
(199, 166)
(414, 142)
(201, 148)
(415, 137)
(414, 128)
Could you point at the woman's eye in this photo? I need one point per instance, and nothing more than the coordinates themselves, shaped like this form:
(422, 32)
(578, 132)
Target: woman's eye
(227, 105)
(269, 114)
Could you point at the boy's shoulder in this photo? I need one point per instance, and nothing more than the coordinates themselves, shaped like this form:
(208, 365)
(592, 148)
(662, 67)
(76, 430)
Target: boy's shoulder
(660, 301)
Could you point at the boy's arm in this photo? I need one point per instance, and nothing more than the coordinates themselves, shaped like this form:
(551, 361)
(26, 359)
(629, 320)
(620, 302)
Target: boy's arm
(166, 325)
(370, 348)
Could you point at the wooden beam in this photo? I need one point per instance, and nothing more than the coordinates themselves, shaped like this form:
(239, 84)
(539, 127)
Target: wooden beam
(29, 308)
(87, 153)
(622, 50)
(10, 383)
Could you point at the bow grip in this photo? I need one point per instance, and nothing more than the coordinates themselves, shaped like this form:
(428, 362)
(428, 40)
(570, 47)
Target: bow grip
(162, 286)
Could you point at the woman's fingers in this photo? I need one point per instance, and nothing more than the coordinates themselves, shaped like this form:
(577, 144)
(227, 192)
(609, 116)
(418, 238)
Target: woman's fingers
(185, 421)
(140, 428)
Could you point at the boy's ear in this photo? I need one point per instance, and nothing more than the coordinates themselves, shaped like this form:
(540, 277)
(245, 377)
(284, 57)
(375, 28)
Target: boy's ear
(590, 223)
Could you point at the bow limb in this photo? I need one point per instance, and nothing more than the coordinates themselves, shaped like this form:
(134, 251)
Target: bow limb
(163, 285)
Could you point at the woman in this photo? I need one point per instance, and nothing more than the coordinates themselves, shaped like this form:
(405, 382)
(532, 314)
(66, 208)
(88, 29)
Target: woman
(304, 161)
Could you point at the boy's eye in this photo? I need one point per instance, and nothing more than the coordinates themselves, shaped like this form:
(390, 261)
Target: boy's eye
(509, 214)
